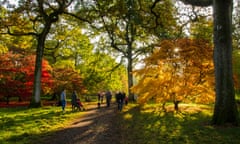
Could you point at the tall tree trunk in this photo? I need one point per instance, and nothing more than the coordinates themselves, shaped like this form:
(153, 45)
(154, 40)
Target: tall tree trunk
(36, 97)
(130, 79)
(225, 110)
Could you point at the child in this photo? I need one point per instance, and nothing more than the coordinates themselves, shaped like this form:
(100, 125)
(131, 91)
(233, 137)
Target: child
(80, 104)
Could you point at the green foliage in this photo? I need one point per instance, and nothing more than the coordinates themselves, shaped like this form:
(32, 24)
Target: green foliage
(100, 73)
(202, 29)
(159, 18)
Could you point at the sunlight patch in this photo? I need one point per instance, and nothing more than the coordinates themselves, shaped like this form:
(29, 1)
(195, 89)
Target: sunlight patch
(128, 116)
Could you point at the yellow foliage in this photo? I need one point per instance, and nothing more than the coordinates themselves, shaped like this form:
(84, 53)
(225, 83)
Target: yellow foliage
(3, 49)
(178, 70)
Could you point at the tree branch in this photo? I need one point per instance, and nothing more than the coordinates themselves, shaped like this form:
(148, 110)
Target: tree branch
(19, 34)
(200, 3)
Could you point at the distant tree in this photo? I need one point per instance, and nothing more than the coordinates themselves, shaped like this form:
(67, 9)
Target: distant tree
(68, 78)
(102, 72)
(128, 29)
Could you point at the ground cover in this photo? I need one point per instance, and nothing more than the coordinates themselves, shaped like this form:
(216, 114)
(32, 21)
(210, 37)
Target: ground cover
(20, 125)
(134, 125)
(148, 125)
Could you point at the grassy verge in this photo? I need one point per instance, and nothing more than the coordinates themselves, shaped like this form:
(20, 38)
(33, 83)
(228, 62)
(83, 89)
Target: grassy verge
(148, 125)
(22, 125)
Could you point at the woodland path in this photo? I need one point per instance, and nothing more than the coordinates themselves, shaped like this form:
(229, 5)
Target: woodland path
(97, 126)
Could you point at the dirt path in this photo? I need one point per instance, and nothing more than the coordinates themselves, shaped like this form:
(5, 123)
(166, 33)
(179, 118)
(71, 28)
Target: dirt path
(98, 126)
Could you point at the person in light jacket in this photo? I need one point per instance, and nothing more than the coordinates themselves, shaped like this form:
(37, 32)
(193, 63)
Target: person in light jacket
(63, 99)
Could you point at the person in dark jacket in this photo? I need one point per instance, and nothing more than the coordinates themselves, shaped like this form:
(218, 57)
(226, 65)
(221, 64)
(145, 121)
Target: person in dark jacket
(74, 99)
(108, 98)
(120, 99)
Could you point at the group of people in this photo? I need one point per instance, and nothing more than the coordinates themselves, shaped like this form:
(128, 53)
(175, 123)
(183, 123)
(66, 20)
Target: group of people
(121, 99)
(75, 101)
(108, 96)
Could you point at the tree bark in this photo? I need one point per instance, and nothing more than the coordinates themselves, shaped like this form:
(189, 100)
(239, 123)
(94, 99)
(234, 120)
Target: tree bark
(36, 98)
(202, 3)
(130, 78)
(225, 110)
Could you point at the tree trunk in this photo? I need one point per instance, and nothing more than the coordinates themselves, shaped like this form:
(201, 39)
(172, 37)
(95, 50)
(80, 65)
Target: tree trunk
(225, 110)
(36, 98)
(130, 79)
(176, 108)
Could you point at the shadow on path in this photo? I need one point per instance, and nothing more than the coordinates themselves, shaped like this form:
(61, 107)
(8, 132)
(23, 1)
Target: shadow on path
(97, 126)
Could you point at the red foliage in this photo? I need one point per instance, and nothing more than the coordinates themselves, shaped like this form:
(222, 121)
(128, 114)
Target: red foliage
(67, 78)
(17, 75)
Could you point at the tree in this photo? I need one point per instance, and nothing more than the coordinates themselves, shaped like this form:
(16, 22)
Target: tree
(36, 14)
(34, 18)
(68, 78)
(17, 74)
(98, 69)
(178, 71)
(101, 72)
(225, 110)
(128, 28)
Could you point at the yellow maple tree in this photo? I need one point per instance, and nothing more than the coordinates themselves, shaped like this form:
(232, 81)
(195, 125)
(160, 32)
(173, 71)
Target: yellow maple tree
(177, 71)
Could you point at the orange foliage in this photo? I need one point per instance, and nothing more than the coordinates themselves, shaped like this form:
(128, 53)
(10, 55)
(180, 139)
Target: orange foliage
(178, 70)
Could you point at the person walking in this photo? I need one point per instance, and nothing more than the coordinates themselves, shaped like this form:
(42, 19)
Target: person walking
(108, 98)
(63, 99)
(74, 99)
(119, 97)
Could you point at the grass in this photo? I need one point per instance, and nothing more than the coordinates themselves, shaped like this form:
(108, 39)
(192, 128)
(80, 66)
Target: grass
(147, 125)
(139, 125)
(22, 125)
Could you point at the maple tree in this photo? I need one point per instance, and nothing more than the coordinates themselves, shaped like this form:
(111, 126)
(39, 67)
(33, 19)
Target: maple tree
(178, 70)
(17, 76)
(68, 78)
